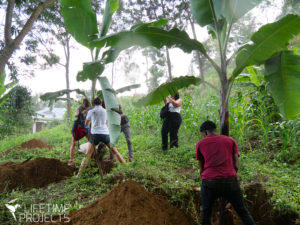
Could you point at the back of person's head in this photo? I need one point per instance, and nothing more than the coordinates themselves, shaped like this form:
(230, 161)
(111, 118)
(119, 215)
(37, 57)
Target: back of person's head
(208, 125)
(97, 101)
(176, 96)
(103, 104)
(86, 103)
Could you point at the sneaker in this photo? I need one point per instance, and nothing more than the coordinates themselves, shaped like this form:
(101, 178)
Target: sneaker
(131, 159)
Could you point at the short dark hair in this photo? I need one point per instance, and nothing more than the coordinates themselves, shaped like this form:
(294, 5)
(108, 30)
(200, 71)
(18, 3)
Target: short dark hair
(208, 125)
(97, 101)
(176, 96)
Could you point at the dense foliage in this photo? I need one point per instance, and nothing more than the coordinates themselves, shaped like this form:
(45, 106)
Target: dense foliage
(16, 112)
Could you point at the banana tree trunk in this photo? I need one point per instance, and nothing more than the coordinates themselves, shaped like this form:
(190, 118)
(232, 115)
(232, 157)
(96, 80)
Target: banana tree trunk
(93, 89)
(223, 112)
(225, 217)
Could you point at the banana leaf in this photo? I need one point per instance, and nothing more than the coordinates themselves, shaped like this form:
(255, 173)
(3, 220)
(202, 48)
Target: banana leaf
(283, 74)
(144, 36)
(80, 20)
(5, 88)
(91, 71)
(166, 89)
(268, 40)
(111, 102)
(232, 10)
(120, 90)
(55, 96)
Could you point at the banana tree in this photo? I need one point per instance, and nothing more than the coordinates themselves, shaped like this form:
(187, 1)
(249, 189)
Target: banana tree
(269, 41)
(81, 22)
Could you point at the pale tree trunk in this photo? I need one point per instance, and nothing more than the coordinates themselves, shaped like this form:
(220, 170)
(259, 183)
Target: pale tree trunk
(200, 64)
(225, 217)
(169, 64)
(67, 54)
(12, 44)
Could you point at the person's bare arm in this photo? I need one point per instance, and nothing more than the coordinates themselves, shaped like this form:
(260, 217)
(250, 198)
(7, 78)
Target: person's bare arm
(175, 103)
(87, 122)
(76, 113)
(235, 158)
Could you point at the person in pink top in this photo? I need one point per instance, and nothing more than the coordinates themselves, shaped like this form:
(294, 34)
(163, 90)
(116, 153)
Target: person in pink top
(218, 161)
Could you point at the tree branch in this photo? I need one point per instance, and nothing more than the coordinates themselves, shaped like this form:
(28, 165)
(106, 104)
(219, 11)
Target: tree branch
(8, 19)
(27, 27)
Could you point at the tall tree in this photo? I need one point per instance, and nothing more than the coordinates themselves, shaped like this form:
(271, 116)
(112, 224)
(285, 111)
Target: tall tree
(12, 36)
(156, 69)
(52, 23)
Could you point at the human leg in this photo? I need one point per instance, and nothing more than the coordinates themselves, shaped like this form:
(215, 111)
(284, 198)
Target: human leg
(174, 127)
(85, 160)
(115, 151)
(235, 197)
(72, 151)
(164, 134)
(126, 130)
(208, 196)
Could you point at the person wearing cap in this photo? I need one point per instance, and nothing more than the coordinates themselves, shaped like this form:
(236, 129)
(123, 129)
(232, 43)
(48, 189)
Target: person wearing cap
(218, 161)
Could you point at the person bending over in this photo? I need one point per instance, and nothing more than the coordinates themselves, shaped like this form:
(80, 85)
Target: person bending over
(172, 122)
(99, 132)
(80, 115)
(218, 161)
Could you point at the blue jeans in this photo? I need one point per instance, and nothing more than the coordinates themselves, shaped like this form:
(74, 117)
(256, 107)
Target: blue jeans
(229, 189)
(100, 137)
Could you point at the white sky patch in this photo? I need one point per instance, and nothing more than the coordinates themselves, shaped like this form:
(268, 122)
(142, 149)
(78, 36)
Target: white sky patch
(53, 79)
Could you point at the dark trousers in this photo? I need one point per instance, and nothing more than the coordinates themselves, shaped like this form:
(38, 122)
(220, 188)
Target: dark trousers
(229, 189)
(170, 125)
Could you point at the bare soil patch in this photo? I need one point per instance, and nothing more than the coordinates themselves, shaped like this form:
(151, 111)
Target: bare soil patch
(129, 204)
(31, 144)
(259, 204)
(33, 173)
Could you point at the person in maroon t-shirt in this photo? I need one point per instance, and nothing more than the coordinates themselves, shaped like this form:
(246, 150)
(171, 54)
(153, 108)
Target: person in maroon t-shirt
(218, 161)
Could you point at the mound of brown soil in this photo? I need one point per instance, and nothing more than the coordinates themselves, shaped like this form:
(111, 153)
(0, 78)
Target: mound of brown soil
(31, 144)
(259, 204)
(129, 204)
(34, 173)
(34, 143)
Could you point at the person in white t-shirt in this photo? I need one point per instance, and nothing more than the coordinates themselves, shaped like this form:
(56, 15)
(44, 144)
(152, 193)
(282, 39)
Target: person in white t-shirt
(99, 131)
(172, 122)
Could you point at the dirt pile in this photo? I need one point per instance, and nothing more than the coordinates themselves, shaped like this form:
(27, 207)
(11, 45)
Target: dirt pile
(129, 204)
(34, 143)
(33, 174)
(31, 144)
(259, 203)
